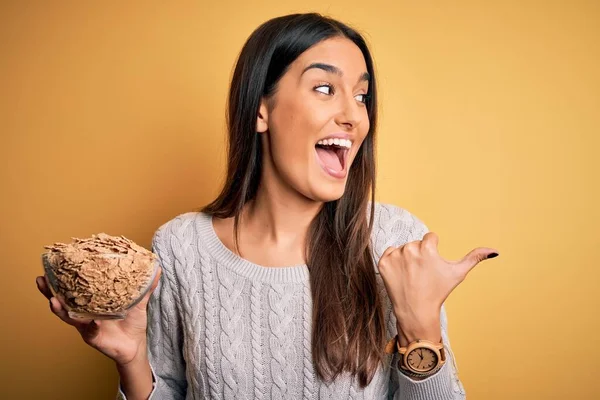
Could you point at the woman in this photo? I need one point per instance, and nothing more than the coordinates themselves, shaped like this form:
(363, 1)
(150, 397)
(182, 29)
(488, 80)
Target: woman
(290, 284)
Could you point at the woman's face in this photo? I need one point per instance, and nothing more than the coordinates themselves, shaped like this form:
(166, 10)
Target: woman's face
(320, 97)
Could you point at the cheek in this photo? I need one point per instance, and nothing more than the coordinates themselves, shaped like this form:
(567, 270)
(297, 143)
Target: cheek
(288, 139)
(364, 129)
(293, 146)
(296, 131)
(365, 124)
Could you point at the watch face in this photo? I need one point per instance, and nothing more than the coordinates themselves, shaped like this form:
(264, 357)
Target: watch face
(422, 359)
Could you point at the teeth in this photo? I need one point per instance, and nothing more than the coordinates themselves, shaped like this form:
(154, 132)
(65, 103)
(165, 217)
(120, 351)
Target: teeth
(337, 142)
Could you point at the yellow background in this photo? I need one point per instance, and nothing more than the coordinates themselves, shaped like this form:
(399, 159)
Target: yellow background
(112, 120)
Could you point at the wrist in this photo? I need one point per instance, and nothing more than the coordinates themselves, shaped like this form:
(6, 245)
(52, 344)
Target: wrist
(132, 364)
(408, 333)
(139, 358)
(135, 378)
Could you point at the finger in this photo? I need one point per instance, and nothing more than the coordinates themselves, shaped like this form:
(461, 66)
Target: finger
(60, 311)
(384, 260)
(474, 257)
(430, 242)
(388, 251)
(43, 287)
(90, 331)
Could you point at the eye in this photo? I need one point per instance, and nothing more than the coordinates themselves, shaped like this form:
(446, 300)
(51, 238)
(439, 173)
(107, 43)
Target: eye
(327, 86)
(365, 98)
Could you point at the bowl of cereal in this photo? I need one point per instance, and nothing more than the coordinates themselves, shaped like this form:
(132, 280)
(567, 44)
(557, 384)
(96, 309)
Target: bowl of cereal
(101, 277)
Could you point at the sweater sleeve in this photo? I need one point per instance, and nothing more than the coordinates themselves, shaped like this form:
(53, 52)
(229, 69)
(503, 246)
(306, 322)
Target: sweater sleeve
(164, 334)
(394, 227)
(443, 385)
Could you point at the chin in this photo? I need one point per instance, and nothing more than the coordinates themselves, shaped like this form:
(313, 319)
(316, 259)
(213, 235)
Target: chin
(324, 188)
(326, 198)
(327, 191)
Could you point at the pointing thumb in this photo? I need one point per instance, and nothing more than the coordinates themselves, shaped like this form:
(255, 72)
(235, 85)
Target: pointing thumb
(474, 257)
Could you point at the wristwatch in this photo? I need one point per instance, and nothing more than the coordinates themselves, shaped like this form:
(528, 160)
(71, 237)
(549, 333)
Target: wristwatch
(420, 359)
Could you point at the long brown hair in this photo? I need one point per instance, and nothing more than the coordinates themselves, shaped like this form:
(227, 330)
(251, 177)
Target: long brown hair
(348, 324)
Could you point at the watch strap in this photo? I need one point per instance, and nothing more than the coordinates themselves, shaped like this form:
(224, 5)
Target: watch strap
(414, 374)
(391, 347)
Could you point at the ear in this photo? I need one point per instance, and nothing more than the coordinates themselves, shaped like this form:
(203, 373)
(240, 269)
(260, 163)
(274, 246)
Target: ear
(262, 124)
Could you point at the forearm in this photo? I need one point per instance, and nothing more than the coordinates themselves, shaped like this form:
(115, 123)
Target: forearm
(136, 377)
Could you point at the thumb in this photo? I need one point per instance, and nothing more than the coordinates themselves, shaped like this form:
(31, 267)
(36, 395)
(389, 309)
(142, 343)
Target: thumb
(156, 280)
(154, 283)
(142, 304)
(474, 257)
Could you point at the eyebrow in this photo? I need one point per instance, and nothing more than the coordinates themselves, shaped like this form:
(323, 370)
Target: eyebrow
(334, 70)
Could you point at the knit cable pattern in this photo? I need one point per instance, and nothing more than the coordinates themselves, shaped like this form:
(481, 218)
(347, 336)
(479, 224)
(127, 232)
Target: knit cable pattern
(307, 369)
(220, 327)
(231, 337)
(258, 359)
(281, 343)
(210, 320)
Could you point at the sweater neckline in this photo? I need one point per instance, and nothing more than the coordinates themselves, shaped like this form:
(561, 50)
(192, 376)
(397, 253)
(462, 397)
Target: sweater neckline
(232, 261)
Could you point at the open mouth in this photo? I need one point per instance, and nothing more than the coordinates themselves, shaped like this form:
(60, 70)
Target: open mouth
(332, 156)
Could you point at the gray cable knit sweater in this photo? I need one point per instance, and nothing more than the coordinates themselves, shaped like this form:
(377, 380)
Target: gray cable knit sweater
(221, 327)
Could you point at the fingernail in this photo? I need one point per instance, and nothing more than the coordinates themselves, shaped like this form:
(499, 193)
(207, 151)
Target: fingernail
(492, 255)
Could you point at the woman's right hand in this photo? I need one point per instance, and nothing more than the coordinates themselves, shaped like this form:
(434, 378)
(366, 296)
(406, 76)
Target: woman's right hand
(121, 340)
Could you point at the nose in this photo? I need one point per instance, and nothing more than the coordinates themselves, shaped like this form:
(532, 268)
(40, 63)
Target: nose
(350, 113)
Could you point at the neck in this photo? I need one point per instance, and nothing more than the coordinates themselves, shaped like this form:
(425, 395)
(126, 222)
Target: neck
(279, 216)
(279, 219)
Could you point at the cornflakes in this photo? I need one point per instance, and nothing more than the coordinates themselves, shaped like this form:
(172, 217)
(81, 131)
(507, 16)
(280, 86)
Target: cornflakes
(99, 275)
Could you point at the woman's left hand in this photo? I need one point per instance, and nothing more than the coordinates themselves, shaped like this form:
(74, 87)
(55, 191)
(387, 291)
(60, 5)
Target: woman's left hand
(418, 281)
